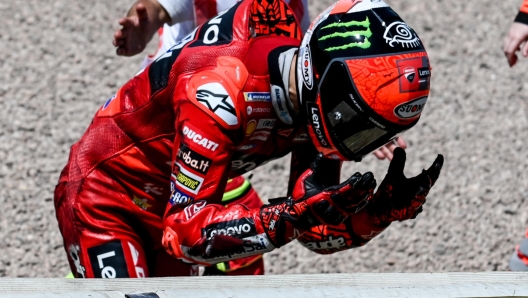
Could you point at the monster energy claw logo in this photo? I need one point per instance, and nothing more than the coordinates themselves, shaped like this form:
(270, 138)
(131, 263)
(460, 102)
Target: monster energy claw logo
(357, 34)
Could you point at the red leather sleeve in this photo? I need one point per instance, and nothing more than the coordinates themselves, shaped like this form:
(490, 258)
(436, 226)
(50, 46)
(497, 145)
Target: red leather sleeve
(356, 231)
(201, 163)
(187, 233)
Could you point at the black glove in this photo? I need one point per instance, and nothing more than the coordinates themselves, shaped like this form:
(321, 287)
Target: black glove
(401, 198)
(313, 204)
(332, 205)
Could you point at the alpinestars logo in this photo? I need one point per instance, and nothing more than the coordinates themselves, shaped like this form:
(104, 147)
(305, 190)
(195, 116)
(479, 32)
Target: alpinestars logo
(361, 36)
(400, 33)
(215, 98)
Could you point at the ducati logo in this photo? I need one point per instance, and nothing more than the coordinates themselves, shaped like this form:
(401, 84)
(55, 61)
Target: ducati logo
(410, 74)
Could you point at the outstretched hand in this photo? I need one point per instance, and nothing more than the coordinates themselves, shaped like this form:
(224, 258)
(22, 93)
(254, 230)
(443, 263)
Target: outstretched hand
(401, 198)
(516, 38)
(135, 33)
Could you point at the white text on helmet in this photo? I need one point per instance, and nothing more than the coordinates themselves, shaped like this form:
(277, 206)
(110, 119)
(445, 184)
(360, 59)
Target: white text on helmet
(316, 124)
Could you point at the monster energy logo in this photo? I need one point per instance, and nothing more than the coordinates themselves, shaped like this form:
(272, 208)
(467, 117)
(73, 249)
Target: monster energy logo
(365, 44)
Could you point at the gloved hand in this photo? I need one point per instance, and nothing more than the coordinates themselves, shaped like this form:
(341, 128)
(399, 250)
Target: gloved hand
(401, 198)
(313, 204)
(332, 205)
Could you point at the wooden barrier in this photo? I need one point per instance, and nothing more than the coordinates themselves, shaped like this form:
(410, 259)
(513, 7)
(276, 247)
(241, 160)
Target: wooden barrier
(485, 284)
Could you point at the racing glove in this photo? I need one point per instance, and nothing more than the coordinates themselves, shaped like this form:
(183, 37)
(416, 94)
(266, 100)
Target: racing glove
(401, 198)
(313, 204)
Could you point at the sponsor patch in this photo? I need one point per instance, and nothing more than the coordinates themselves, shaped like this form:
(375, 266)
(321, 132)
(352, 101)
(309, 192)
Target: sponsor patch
(198, 138)
(253, 245)
(279, 104)
(424, 73)
(410, 74)
(257, 96)
(266, 123)
(399, 33)
(187, 180)
(317, 125)
(177, 197)
(359, 29)
(251, 126)
(330, 244)
(260, 135)
(414, 74)
(257, 110)
(307, 70)
(410, 109)
(193, 160)
(239, 228)
(192, 209)
(141, 203)
(108, 260)
(215, 98)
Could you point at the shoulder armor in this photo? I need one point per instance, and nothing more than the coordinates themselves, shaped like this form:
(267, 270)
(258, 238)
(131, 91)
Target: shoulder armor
(215, 91)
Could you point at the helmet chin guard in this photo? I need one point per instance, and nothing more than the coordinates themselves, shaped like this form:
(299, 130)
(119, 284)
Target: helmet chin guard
(363, 77)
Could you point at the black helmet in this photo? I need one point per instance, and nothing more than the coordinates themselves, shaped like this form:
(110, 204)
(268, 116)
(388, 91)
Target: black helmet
(363, 78)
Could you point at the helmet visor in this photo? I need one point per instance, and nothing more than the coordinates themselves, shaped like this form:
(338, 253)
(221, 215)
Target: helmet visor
(353, 127)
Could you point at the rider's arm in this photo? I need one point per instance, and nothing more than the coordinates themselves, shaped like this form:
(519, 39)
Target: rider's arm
(198, 228)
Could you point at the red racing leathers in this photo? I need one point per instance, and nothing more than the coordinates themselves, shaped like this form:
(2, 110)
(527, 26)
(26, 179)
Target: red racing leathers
(210, 109)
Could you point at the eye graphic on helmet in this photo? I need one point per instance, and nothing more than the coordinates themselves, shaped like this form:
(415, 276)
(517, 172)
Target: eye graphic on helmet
(400, 33)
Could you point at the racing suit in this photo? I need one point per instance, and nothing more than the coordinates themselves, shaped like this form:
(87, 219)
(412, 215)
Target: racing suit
(158, 155)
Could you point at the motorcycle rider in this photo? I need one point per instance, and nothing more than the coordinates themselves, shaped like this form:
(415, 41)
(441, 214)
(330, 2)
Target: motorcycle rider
(173, 20)
(241, 90)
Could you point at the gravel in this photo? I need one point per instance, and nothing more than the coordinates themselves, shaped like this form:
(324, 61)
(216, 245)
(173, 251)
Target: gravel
(58, 66)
